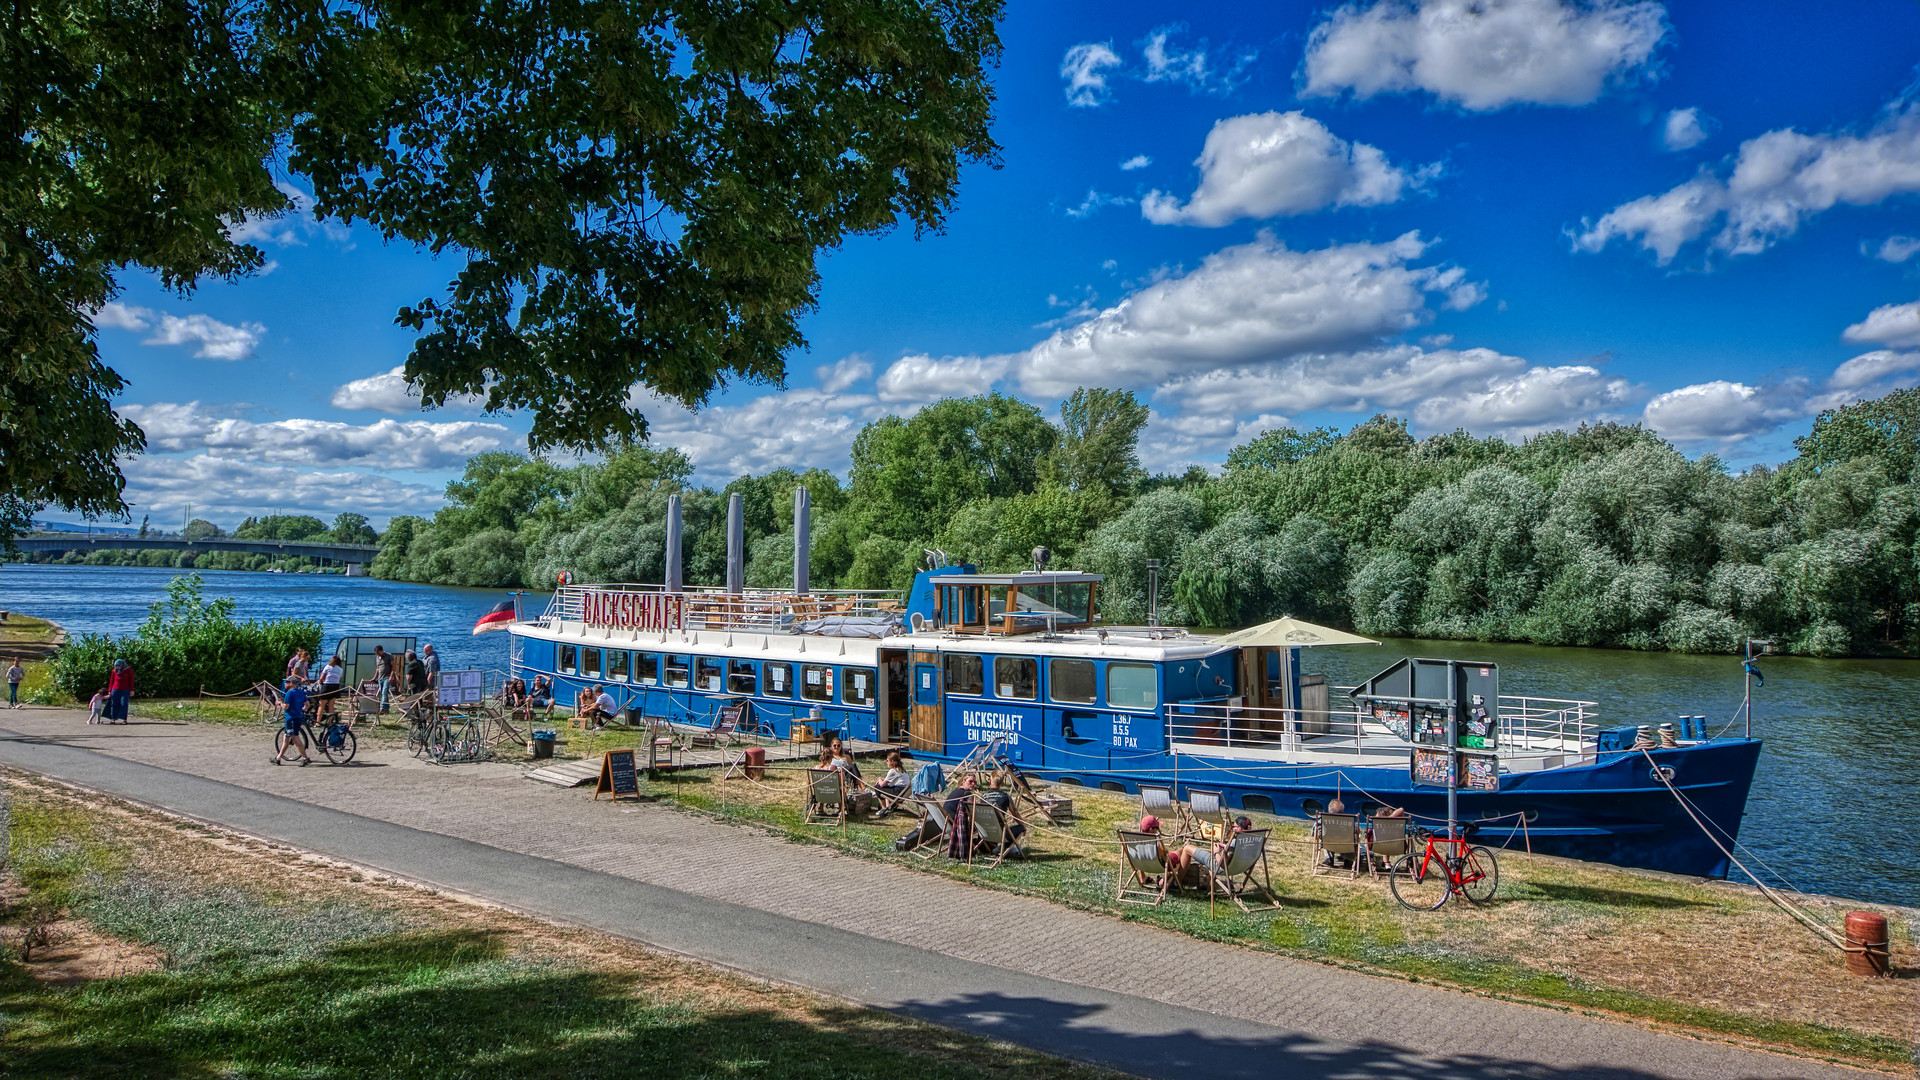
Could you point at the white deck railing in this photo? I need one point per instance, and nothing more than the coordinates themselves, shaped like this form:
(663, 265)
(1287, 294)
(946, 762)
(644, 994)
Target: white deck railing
(1528, 725)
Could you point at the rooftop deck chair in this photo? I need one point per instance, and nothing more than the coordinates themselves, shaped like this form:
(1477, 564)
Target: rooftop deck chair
(1143, 879)
(990, 830)
(1246, 856)
(826, 796)
(1157, 801)
(1208, 811)
(936, 815)
(1336, 835)
(1390, 841)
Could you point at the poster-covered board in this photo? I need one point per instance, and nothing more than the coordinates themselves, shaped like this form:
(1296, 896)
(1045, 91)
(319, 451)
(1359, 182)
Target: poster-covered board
(463, 687)
(1435, 767)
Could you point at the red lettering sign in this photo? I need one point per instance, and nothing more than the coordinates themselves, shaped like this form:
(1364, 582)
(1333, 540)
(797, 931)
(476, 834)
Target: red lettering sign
(632, 611)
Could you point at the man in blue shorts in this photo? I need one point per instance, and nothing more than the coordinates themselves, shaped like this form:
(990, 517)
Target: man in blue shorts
(290, 724)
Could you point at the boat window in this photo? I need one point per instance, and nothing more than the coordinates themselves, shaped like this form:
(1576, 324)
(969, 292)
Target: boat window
(646, 668)
(816, 682)
(617, 664)
(1132, 686)
(590, 663)
(1258, 803)
(569, 658)
(676, 671)
(856, 686)
(740, 677)
(1070, 680)
(779, 680)
(1016, 677)
(706, 673)
(966, 674)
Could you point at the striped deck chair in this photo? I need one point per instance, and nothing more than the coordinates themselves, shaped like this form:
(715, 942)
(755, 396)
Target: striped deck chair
(936, 816)
(1336, 835)
(990, 825)
(1208, 811)
(1246, 856)
(1143, 879)
(826, 795)
(1157, 801)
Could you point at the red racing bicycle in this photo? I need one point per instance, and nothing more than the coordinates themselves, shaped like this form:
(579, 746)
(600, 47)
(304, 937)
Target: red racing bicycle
(1423, 880)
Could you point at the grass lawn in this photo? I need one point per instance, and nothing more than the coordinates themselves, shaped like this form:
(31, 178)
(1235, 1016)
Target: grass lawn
(242, 961)
(1711, 957)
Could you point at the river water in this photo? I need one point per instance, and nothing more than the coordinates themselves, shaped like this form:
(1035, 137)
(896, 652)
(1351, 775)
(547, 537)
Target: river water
(1834, 798)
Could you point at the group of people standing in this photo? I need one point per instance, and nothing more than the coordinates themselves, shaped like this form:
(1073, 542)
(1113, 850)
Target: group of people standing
(109, 703)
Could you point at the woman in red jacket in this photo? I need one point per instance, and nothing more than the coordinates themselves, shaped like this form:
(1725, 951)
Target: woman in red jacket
(119, 691)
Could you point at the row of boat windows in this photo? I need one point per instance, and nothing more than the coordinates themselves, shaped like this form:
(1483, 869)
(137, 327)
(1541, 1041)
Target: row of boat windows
(1069, 682)
(814, 682)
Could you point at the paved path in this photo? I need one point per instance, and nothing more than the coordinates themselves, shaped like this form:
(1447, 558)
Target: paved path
(1128, 996)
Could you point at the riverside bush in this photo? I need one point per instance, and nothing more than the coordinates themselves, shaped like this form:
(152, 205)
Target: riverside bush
(187, 643)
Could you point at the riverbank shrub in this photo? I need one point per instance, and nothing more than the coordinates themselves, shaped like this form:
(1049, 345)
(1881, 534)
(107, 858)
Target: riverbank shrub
(187, 643)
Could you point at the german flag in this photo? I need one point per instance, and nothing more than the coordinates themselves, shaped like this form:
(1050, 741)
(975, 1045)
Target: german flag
(497, 619)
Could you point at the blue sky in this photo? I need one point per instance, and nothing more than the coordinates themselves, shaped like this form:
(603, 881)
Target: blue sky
(1507, 217)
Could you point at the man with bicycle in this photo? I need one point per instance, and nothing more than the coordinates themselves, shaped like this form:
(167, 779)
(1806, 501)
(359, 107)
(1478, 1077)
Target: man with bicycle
(296, 703)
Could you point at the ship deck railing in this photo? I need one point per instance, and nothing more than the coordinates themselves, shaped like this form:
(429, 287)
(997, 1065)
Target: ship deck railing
(767, 611)
(1534, 733)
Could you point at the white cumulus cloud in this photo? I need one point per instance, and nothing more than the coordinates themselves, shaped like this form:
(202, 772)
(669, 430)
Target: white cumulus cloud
(1778, 180)
(1684, 129)
(843, 374)
(216, 340)
(1723, 411)
(389, 392)
(1275, 164)
(1084, 69)
(1894, 249)
(1897, 325)
(412, 445)
(1528, 402)
(1483, 54)
(920, 379)
(798, 429)
(225, 488)
(1137, 161)
(1244, 304)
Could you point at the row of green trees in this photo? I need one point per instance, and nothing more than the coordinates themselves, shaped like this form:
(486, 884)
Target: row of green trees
(178, 559)
(1604, 536)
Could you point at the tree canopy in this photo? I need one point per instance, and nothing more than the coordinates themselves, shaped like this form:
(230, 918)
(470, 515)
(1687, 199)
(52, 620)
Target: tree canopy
(636, 193)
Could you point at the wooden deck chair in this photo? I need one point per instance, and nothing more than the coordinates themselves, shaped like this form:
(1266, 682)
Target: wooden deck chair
(990, 828)
(1157, 801)
(1390, 841)
(725, 728)
(1246, 856)
(1143, 879)
(826, 795)
(936, 813)
(1336, 834)
(1208, 811)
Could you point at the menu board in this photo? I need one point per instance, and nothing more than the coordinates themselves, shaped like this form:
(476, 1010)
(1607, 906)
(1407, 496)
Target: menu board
(619, 777)
(463, 687)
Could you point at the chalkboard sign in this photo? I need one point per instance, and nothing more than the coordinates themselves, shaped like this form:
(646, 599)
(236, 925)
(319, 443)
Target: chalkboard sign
(618, 776)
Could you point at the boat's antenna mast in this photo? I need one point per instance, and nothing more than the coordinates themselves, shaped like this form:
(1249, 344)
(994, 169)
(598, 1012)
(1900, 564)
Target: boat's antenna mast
(1748, 672)
(1153, 592)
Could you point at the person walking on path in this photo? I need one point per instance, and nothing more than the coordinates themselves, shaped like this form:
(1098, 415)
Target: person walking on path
(330, 682)
(97, 706)
(119, 691)
(290, 724)
(380, 673)
(432, 660)
(15, 673)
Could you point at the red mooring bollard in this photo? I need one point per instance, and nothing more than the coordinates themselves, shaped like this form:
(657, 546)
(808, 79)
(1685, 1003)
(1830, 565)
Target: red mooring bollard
(1867, 945)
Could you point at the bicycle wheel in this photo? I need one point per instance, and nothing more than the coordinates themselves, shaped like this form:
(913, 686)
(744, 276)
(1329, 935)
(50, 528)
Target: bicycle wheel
(339, 745)
(1480, 876)
(416, 739)
(1418, 882)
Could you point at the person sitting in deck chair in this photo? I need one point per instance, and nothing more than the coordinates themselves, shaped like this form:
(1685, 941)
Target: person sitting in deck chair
(843, 760)
(1151, 826)
(959, 808)
(1002, 801)
(601, 709)
(541, 696)
(892, 787)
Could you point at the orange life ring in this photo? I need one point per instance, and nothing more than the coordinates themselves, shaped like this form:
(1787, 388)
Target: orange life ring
(566, 577)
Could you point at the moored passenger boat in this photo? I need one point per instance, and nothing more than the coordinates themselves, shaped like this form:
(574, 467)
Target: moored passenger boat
(1019, 661)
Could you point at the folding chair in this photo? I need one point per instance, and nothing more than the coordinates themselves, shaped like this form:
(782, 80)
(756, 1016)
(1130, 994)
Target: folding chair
(1157, 801)
(1390, 841)
(825, 795)
(1246, 855)
(1336, 835)
(990, 826)
(725, 728)
(1208, 811)
(935, 814)
(1142, 876)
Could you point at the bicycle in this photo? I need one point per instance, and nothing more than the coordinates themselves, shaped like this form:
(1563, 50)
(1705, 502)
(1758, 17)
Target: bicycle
(1424, 880)
(336, 742)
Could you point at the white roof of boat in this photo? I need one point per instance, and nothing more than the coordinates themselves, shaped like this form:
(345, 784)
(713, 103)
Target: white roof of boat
(1131, 643)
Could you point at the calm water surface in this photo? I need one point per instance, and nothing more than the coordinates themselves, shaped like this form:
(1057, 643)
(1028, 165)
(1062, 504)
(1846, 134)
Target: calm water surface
(1838, 780)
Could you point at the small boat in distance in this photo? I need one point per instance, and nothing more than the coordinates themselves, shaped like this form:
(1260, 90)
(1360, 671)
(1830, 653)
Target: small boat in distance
(1020, 661)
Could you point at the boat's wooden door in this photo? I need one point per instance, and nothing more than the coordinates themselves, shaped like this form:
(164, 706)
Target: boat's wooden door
(927, 729)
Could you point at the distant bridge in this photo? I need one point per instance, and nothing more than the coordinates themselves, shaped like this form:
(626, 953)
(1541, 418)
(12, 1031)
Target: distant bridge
(350, 554)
